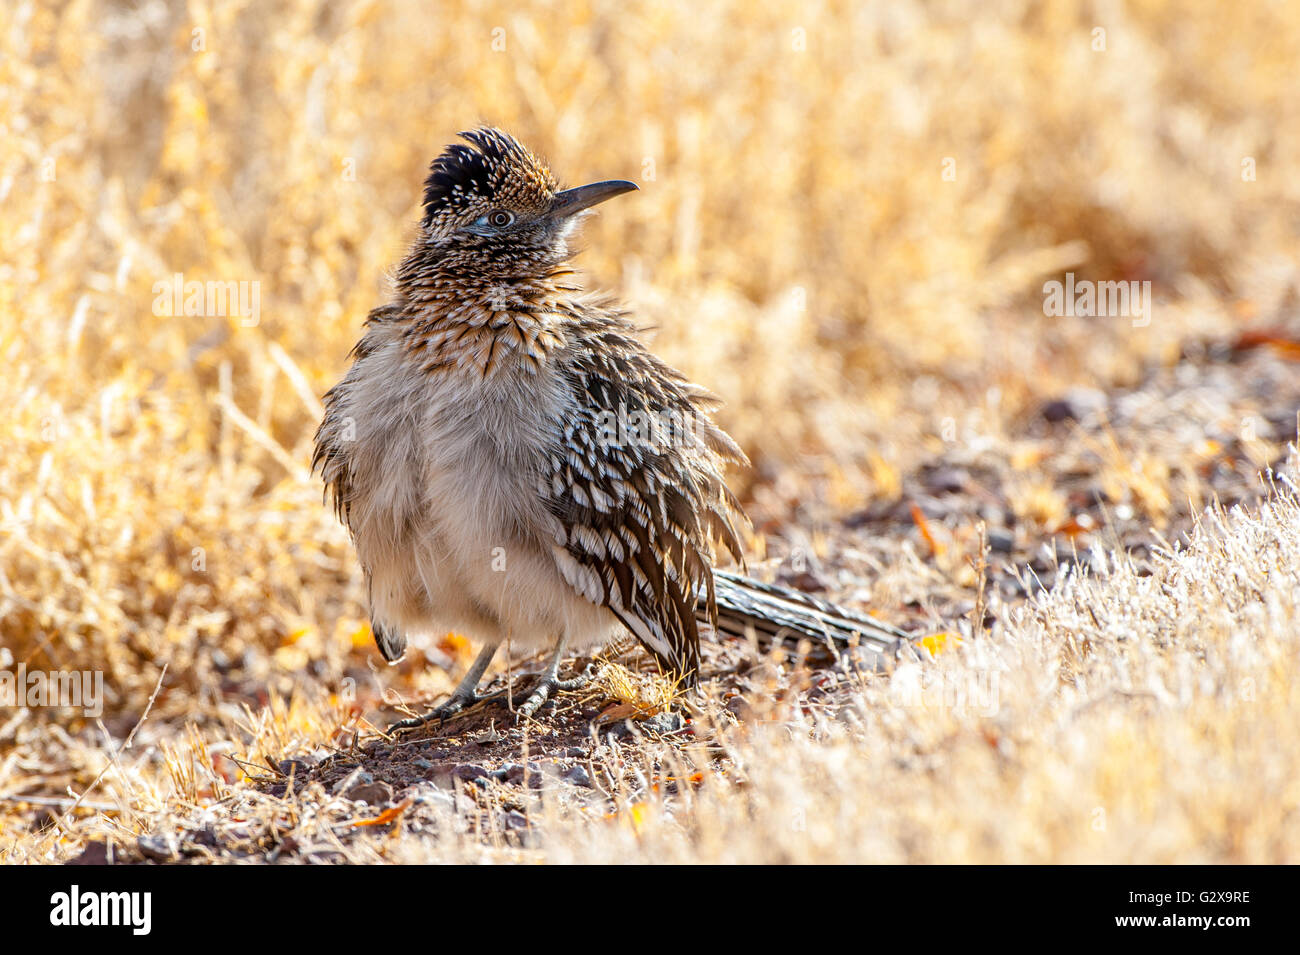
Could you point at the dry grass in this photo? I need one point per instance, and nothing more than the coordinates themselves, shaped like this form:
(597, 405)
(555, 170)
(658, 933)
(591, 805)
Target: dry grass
(798, 250)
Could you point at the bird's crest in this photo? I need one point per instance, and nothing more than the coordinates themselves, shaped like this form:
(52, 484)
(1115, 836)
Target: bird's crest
(494, 168)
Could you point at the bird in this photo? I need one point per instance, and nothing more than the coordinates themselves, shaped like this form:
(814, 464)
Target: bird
(514, 464)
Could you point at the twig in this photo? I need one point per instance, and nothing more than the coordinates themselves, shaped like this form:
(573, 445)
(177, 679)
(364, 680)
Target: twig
(981, 571)
(260, 437)
(112, 759)
(61, 801)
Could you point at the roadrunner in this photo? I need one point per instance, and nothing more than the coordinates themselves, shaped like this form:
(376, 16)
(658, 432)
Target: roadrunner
(513, 464)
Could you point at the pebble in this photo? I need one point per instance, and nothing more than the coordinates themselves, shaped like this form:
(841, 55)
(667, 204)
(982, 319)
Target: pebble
(578, 776)
(660, 724)
(158, 846)
(426, 793)
(1059, 410)
(739, 707)
(95, 853)
(296, 766)
(376, 794)
(1001, 541)
(514, 820)
(515, 773)
(947, 480)
(358, 777)
(664, 723)
(467, 772)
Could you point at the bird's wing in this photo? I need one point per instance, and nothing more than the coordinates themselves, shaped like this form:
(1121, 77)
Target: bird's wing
(640, 496)
(332, 455)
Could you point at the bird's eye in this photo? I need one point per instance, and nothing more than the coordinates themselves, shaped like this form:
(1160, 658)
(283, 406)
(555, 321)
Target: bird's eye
(498, 219)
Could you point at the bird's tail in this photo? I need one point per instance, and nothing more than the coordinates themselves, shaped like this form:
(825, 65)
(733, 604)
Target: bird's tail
(777, 614)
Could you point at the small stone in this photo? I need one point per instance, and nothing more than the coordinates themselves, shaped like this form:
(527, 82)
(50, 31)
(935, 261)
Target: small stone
(1074, 405)
(658, 725)
(1001, 541)
(376, 794)
(159, 847)
(467, 772)
(515, 773)
(1058, 411)
(809, 583)
(288, 846)
(514, 820)
(95, 853)
(296, 766)
(665, 722)
(358, 777)
(426, 793)
(947, 480)
(739, 707)
(578, 776)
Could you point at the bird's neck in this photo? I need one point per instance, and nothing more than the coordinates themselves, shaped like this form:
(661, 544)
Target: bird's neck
(486, 318)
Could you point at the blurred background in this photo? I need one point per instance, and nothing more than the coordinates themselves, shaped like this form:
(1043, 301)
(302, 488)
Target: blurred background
(848, 212)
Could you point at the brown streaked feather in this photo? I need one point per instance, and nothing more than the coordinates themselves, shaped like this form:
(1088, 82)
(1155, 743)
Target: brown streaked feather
(643, 518)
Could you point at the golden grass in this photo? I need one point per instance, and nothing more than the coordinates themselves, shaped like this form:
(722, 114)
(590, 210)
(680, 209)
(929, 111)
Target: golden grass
(796, 247)
(1137, 719)
(1140, 717)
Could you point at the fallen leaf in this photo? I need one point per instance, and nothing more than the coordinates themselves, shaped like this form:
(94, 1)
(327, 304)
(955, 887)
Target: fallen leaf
(1281, 343)
(619, 711)
(937, 643)
(387, 816)
(1079, 524)
(488, 736)
(918, 518)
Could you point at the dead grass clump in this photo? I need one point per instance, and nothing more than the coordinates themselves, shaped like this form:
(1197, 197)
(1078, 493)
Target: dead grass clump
(1135, 718)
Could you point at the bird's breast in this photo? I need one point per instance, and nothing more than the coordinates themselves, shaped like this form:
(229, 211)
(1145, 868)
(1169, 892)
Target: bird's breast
(495, 332)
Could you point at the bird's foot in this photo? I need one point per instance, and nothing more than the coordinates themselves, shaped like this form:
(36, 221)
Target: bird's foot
(550, 682)
(458, 703)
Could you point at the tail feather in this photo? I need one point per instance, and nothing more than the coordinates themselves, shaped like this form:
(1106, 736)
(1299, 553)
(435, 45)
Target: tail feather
(776, 613)
(390, 640)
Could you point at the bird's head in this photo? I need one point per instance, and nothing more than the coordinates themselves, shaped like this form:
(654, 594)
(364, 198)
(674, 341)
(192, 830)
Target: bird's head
(495, 206)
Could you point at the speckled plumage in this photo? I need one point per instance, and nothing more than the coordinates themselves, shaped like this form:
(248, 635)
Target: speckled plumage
(511, 461)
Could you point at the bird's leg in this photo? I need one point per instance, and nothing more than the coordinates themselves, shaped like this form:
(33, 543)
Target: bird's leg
(465, 695)
(550, 681)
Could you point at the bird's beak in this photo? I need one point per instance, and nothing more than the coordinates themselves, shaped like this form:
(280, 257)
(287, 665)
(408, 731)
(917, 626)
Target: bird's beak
(584, 197)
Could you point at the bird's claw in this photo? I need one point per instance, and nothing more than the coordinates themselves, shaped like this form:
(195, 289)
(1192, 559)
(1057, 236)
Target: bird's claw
(439, 714)
(542, 692)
